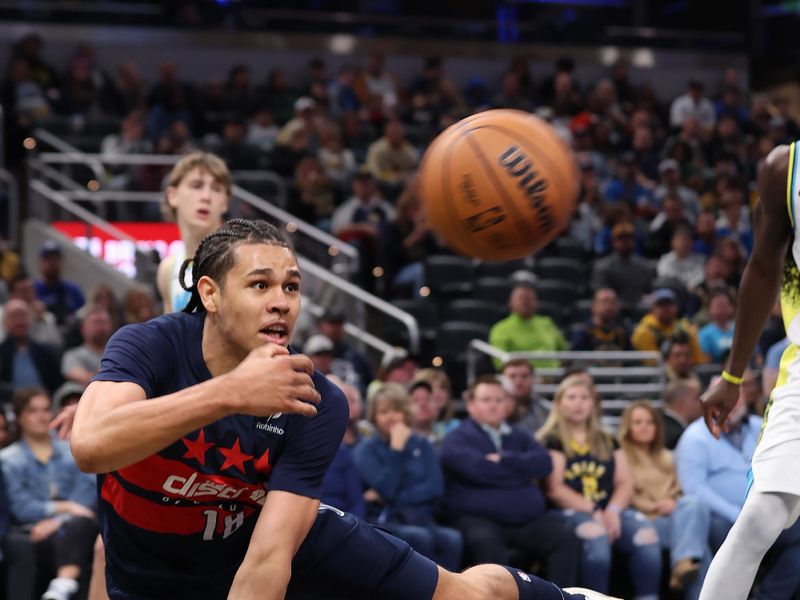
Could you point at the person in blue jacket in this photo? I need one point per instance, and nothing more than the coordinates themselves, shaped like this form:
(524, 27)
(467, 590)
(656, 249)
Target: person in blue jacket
(404, 478)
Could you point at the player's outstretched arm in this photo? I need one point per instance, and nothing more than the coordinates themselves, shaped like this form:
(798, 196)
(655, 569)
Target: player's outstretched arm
(282, 526)
(760, 282)
(116, 425)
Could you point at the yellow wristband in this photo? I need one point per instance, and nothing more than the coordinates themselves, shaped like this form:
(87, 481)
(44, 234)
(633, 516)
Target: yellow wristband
(732, 378)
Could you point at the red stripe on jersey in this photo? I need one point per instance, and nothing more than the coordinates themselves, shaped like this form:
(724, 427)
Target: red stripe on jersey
(175, 479)
(168, 518)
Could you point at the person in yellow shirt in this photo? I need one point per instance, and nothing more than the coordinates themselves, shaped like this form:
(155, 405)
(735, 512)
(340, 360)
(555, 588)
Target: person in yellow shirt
(662, 323)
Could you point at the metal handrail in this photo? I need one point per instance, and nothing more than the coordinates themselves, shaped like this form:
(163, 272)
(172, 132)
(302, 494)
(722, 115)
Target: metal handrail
(405, 318)
(80, 212)
(74, 155)
(13, 203)
(69, 150)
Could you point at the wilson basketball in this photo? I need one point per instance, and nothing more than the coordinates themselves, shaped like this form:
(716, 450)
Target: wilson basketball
(499, 185)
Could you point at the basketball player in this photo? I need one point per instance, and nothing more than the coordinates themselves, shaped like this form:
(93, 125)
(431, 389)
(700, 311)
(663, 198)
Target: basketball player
(773, 500)
(207, 432)
(196, 198)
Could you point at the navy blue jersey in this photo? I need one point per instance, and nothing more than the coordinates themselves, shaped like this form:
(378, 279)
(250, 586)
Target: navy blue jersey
(177, 524)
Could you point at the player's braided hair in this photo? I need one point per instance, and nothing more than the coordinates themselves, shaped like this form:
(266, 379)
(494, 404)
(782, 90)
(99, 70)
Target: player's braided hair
(215, 254)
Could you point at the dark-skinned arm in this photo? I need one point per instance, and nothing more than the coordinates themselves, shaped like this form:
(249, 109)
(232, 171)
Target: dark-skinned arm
(760, 283)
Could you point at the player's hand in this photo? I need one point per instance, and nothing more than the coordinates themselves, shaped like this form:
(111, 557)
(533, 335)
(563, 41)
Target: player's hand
(371, 495)
(270, 380)
(493, 457)
(665, 507)
(717, 405)
(44, 529)
(62, 422)
(398, 436)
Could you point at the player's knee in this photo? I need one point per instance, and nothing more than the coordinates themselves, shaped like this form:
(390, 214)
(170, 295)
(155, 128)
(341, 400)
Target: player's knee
(645, 536)
(590, 530)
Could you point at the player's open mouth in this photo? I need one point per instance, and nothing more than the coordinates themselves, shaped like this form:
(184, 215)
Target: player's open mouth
(277, 333)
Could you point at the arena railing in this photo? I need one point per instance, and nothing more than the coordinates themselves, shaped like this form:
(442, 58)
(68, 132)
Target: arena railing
(343, 257)
(319, 280)
(619, 377)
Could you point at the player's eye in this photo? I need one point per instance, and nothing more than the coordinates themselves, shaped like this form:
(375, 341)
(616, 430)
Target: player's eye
(259, 285)
(292, 287)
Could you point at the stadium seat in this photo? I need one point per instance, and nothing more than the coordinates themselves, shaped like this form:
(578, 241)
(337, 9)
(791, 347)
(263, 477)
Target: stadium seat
(561, 292)
(448, 275)
(563, 269)
(482, 312)
(500, 269)
(568, 247)
(423, 311)
(455, 336)
(494, 289)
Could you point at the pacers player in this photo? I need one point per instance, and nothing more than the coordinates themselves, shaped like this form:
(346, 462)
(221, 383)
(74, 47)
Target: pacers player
(197, 196)
(773, 500)
(212, 439)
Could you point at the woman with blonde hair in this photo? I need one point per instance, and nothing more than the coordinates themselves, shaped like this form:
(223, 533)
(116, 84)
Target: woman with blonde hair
(591, 487)
(682, 521)
(440, 390)
(404, 479)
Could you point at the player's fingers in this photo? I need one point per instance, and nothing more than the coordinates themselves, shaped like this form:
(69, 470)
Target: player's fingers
(272, 350)
(307, 393)
(710, 414)
(300, 362)
(302, 408)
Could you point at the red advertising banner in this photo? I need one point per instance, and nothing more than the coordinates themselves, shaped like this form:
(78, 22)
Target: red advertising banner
(162, 237)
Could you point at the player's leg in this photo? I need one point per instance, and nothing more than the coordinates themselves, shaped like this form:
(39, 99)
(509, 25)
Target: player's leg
(494, 582)
(762, 519)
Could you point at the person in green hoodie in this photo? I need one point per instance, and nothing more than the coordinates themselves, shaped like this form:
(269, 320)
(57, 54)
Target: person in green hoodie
(524, 330)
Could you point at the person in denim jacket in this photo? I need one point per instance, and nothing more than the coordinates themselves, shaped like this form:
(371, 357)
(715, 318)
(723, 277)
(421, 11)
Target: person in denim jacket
(404, 478)
(52, 503)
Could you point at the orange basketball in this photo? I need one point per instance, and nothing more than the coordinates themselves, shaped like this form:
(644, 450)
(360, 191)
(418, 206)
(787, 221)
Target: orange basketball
(499, 185)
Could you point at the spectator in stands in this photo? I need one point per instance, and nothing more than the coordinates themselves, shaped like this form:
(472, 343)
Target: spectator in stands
(129, 89)
(305, 117)
(319, 349)
(138, 306)
(342, 94)
(735, 218)
(52, 503)
(442, 396)
(68, 394)
(339, 162)
(404, 478)
(85, 90)
(671, 185)
(61, 297)
(277, 96)
(23, 96)
(341, 486)
(130, 140)
(23, 362)
(716, 471)
(392, 159)
(423, 410)
(313, 196)
(9, 263)
(170, 101)
(604, 331)
(331, 325)
(365, 215)
(356, 135)
(5, 440)
(234, 149)
(528, 409)
(29, 49)
(663, 226)
(630, 186)
(681, 263)
(43, 327)
(682, 521)
(680, 406)
(678, 362)
(491, 493)
(262, 130)
(717, 336)
(510, 94)
(592, 488)
(376, 86)
(82, 363)
(239, 97)
(662, 323)
(628, 275)
(357, 428)
(525, 330)
(397, 366)
(692, 104)
(705, 233)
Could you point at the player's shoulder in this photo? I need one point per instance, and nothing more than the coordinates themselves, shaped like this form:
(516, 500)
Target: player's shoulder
(172, 328)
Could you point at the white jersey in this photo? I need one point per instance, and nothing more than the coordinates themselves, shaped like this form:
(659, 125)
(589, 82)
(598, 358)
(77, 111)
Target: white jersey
(776, 462)
(178, 296)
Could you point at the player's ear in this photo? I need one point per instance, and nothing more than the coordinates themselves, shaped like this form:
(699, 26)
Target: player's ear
(208, 289)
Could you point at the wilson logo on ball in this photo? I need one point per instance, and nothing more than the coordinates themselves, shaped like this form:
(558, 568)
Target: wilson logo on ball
(532, 183)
